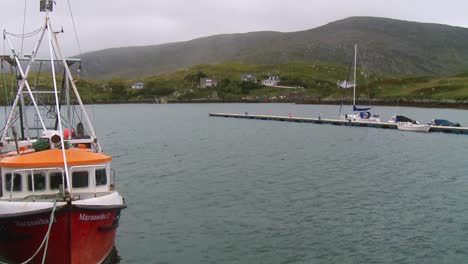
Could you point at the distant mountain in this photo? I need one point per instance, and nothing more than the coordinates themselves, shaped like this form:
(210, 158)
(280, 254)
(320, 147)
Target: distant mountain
(385, 45)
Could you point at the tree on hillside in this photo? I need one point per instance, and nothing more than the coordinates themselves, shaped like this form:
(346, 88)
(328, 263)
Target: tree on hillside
(195, 77)
(246, 87)
(152, 88)
(118, 89)
(227, 86)
(291, 80)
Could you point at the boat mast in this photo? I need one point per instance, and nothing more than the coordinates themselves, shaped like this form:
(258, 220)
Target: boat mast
(57, 101)
(354, 84)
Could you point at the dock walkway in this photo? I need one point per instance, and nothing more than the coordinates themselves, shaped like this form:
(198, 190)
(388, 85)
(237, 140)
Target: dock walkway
(337, 122)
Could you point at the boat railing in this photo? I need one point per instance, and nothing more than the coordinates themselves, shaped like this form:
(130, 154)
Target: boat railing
(10, 142)
(81, 141)
(19, 172)
(113, 178)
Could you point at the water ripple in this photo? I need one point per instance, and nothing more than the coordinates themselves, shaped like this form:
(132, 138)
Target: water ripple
(213, 190)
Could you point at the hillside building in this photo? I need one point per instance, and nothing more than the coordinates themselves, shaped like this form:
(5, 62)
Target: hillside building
(249, 77)
(137, 85)
(271, 81)
(208, 82)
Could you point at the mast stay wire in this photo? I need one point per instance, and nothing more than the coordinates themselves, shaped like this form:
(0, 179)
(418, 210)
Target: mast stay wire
(24, 35)
(4, 82)
(61, 67)
(365, 70)
(24, 24)
(81, 74)
(74, 27)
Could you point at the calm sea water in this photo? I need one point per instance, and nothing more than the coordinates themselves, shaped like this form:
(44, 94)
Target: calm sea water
(202, 189)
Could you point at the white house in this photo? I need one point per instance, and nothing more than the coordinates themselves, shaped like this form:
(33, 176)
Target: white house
(271, 81)
(137, 85)
(249, 77)
(208, 82)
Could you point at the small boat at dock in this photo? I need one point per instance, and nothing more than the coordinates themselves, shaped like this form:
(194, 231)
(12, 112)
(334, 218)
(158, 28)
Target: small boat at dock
(443, 122)
(407, 124)
(337, 122)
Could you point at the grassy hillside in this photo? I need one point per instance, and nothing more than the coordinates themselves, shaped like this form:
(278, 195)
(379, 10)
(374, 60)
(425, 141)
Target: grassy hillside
(446, 88)
(386, 46)
(318, 80)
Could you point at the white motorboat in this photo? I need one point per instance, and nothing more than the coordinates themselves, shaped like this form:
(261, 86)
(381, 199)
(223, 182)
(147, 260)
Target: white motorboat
(415, 127)
(408, 124)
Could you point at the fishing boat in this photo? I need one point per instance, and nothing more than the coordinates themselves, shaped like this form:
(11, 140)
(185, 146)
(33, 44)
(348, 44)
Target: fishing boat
(58, 197)
(359, 113)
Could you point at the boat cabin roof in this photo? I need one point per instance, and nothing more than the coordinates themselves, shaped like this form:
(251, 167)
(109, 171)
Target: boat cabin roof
(400, 118)
(53, 157)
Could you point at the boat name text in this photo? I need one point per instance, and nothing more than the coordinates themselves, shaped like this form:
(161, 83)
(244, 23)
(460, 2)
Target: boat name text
(35, 222)
(85, 217)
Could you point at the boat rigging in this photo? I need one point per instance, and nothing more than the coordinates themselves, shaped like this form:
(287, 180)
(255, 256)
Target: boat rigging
(58, 197)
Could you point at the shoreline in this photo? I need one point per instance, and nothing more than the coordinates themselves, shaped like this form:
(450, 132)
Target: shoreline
(424, 103)
(375, 102)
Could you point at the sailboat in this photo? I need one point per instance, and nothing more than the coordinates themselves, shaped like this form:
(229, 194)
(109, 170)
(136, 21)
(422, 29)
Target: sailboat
(58, 197)
(358, 114)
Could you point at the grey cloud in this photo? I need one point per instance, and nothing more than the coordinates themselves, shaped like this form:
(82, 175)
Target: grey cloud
(106, 24)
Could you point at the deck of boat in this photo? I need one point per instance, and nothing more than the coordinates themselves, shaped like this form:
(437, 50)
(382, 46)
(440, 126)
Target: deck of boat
(337, 122)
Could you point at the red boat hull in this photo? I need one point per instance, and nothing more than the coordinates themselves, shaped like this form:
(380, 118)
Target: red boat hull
(78, 235)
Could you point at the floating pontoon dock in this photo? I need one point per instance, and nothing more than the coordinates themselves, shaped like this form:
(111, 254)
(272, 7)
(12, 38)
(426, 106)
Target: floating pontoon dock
(337, 122)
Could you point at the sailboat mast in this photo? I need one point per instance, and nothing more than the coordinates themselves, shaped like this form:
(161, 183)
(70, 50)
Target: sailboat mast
(354, 84)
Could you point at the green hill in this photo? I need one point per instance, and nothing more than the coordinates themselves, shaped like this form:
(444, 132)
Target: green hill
(318, 80)
(387, 46)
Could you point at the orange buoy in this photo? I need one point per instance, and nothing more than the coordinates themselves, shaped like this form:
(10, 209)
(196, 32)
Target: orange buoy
(65, 133)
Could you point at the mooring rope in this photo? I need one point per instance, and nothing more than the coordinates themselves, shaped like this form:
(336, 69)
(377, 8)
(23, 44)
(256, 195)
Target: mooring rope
(46, 237)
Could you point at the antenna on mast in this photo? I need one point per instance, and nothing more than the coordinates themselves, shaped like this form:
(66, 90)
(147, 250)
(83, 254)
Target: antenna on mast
(46, 5)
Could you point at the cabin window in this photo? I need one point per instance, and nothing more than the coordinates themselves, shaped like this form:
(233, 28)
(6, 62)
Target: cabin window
(101, 177)
(80, 179)
(16, 182)
(39, 182)
(55, 179)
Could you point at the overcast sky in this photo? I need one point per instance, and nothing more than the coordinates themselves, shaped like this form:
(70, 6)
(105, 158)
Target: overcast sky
(117, 23)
